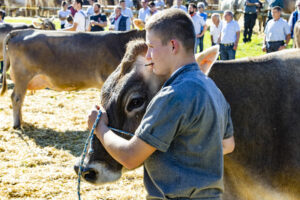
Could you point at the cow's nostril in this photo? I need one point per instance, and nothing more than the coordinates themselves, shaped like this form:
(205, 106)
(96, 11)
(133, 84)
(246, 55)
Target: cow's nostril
(89, 175)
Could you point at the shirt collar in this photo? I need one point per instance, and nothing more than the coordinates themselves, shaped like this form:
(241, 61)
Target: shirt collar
(183, 69)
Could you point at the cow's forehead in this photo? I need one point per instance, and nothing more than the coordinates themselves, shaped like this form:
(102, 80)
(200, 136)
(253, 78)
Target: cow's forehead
(118, 83)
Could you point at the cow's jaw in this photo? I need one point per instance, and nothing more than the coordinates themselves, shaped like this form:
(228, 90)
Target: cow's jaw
(101, 174)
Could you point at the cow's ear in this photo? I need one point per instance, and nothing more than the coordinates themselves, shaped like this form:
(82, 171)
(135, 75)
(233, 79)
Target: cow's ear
(207, 58)
(139, 24)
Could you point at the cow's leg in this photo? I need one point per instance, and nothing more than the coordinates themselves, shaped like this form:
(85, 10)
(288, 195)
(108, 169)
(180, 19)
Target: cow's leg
(17, 98)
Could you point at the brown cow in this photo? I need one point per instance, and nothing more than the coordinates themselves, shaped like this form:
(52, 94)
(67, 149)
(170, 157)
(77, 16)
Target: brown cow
(264, 96)
(45, 24)
(60, 60)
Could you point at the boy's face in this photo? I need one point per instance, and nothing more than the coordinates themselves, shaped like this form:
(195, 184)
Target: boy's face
(158, 55)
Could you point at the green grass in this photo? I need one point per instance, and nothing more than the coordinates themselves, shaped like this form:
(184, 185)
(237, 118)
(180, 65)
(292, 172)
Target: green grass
(250, 49)
(244, 49)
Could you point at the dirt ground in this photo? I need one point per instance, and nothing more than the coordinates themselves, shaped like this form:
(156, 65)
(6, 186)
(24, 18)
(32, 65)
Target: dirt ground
(37, 163)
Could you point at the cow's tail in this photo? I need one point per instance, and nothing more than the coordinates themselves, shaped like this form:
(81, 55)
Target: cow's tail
(6, 62)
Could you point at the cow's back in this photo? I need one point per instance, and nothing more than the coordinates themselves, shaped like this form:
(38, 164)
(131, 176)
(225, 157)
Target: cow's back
(264, 95)
(70, 60)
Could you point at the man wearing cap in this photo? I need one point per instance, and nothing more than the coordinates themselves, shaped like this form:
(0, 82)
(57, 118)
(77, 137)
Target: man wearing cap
(144, 11)
(277, 33)
(229, 37)
(249, 18)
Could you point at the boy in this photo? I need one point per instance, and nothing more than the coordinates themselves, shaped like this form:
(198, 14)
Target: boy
(180, 137)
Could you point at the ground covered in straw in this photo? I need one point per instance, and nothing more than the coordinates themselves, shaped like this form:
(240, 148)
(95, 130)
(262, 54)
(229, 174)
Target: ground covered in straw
(37, 162)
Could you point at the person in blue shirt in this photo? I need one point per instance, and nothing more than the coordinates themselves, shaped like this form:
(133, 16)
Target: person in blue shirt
(201, 7)
(180, 137)
(295, 16)
(250, 18)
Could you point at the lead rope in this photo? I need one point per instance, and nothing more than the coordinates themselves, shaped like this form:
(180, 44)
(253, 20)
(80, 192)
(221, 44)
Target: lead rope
(89, 142)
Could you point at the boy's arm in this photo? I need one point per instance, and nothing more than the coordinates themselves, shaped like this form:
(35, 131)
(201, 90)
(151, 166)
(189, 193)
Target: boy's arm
(228, 145)
(130, 153)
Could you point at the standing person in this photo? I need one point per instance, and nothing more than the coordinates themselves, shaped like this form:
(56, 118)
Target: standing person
(295, 16)
(277, 33)
(127, 12)
(98, 21)
(153, 10)
(201, 7)
(63, 14)
(198, 22)
(250, 18)
(90, 9)
(179, 140)
(144, 11)
(179, 5)
(160, 4)
(79, 18)
(229, 37)
(272, 4)
(118, 21)
(71, 7)
(215, 28)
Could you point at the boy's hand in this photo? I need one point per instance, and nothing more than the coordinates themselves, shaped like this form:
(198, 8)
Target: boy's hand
(93, 115)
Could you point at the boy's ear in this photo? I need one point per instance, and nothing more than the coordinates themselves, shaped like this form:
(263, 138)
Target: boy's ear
(207, 58)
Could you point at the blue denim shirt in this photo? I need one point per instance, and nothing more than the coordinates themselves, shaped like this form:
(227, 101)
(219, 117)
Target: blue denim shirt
(250, 9)
(186, 122)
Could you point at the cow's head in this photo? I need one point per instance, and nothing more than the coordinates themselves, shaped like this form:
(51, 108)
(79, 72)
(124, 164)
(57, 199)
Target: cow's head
(125, 96)
(44, 24)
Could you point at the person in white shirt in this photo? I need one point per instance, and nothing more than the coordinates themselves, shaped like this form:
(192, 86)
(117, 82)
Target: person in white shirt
(144, 11)
(63, 14)
(198, 22)
(215, 28)
(179, 5)
(127, 12)
(229, 37)
(160, 4)
(277, 33)
(90, 10)
(153, 10)
(129, 3)
(118, 21)
(79, 18)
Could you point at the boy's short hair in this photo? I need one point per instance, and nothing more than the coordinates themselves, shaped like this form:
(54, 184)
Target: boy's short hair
(171, 24)
(277, 8)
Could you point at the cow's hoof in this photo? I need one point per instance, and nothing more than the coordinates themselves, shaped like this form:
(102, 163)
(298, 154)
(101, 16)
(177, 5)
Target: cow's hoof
(18, 126)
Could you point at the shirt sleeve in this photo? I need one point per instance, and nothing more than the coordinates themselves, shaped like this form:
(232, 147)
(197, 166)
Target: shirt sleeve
(128, 24)
(287, 29)
(237, 27)
(161, 121)
(77, 18)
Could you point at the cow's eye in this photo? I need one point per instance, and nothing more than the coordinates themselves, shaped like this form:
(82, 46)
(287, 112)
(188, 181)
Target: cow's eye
(135, 103)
